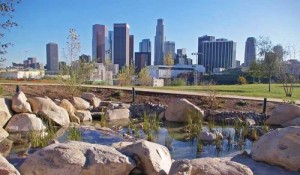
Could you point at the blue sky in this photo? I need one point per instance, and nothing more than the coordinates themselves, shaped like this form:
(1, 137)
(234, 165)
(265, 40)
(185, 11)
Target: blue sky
(43, 21)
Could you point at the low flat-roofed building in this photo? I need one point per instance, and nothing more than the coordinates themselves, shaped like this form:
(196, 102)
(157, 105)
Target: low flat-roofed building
(23, 74)
(163, 71)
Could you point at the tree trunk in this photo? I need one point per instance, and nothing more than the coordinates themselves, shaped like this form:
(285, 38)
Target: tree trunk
(270, 82)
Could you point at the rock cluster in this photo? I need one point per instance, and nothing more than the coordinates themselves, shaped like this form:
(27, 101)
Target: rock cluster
(151, 109)
(229, 117)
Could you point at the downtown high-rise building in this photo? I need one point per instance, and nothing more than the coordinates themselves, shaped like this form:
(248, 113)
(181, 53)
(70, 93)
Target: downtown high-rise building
(215, 54)
(100, 43)
(121, 44)
(142, 59)
(250, 51)
(131, 49)
(52, 58)
(159, 43)
(111, 45)
(145, 45)
(278, 50)
(170, 48)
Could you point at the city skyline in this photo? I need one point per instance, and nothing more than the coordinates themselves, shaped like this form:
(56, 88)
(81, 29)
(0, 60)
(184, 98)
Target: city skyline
(230, 19)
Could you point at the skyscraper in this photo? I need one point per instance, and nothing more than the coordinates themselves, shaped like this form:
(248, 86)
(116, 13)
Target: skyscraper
(111, 45)
(170, 48)
(131, 49)
(159, 43)
(145, 45)
(219, 53)
(142, 59)
(100, 43)
(278, 49)
(52, 58)
(121, 45)
(250, 51)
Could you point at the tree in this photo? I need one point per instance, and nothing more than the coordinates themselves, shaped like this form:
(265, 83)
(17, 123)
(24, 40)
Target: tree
(168, 60)
(287, 74)
(256, 70)
(270, 58)
(7, 8)
(126, 75)
(144, 77)
(77, 70)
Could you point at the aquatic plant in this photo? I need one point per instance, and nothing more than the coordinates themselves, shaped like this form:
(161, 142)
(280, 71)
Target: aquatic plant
(74, 134)
(41, 139)
(254, 134)
(211, 125)
(103, 119)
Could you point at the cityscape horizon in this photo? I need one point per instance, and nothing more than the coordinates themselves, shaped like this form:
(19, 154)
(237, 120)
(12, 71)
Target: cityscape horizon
(20, 51)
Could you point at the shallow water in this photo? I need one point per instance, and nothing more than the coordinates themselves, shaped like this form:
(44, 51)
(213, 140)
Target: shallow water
(169, 135)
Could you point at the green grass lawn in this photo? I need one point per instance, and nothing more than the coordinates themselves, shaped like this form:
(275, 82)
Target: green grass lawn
(251, 90)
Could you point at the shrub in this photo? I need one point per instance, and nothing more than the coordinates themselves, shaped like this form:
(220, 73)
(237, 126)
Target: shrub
(242, 80)
(179, 82)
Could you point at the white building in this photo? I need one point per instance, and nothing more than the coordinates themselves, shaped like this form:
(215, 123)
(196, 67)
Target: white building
(101, 74)
(163, 71)
(23, 74)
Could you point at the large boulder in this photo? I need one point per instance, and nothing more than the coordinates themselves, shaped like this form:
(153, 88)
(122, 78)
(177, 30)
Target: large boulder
(84, 115)
(20, 104)
(209, 136)
(3, 134)
(5, 111)
(77, 158)
(80, 104)
(117, 111)
(218, 166)
(46, 108)
(25, 122)
(114, 114)
(279, 147)
(6, 168)
(91, 98)
(285, 115)
(68, 106)
(181, 167)
(209, 166)
(178, 110)
(151, 158)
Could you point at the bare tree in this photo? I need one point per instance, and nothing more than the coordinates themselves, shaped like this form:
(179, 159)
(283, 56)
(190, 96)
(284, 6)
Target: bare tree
(77, 70)
(288, 71)
(7, 8)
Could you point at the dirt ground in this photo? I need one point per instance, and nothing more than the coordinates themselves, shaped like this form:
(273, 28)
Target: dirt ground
(60, 92)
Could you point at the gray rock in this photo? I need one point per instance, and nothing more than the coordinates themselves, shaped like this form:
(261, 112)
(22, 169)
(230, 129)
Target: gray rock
(20, 104)
(6, 168)
(77, 158)
(279, 147)
(25, 122)
(5, 111)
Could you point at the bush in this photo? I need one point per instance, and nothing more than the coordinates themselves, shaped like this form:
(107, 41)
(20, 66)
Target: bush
(242, 80)
(179, 82)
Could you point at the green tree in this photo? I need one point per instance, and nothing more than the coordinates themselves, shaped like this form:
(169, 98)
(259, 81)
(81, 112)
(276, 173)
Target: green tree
(144, 77)
(256, 70)
(168, 60)
(271, 59)
(77, 70)
(7, 8)
(126, 75)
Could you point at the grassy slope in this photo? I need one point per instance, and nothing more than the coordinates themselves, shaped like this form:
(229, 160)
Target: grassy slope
(251, 90)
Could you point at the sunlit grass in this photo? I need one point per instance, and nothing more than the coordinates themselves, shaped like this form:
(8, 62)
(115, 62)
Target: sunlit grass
(251, 90)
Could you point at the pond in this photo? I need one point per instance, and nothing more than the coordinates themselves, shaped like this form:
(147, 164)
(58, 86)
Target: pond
(181, 144)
